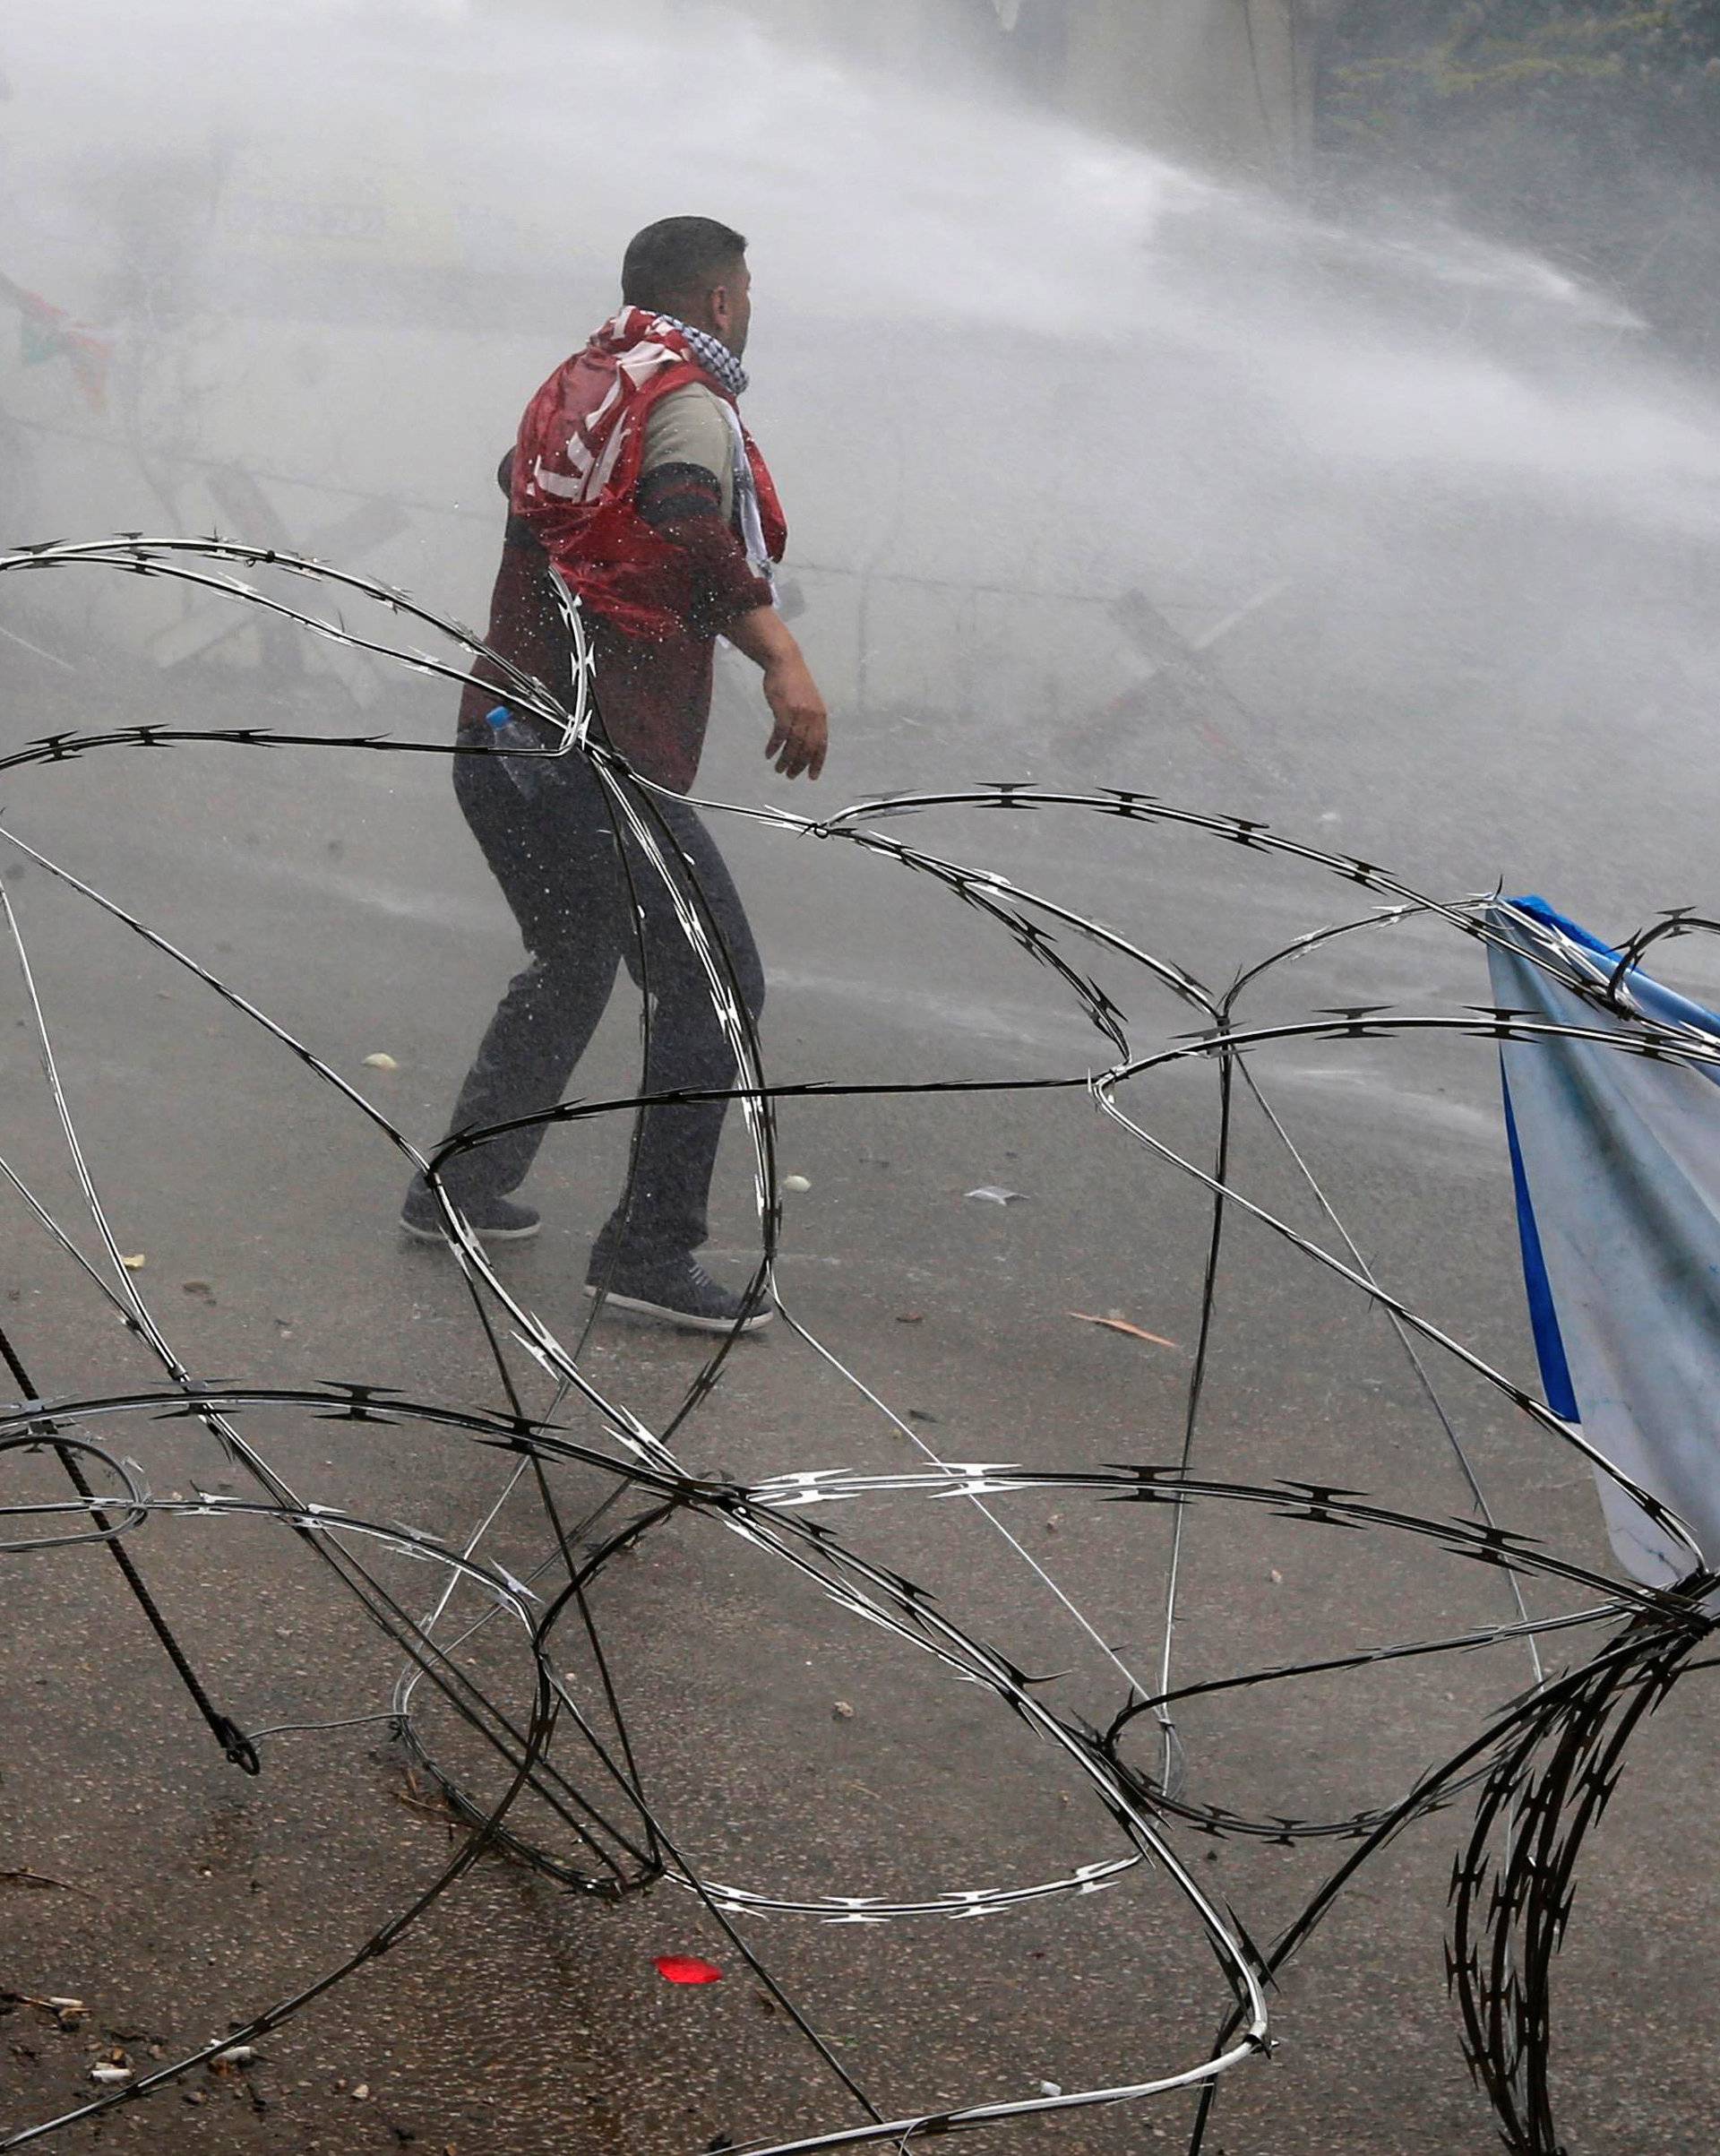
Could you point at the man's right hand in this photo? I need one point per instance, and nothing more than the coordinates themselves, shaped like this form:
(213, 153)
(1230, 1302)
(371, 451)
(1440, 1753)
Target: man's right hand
(801, 734)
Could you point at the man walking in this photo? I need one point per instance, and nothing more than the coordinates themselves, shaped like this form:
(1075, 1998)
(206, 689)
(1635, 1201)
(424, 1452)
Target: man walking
(634, 479)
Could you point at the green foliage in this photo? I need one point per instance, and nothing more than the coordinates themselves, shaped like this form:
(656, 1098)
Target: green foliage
(1588, 129)
(1623, 70)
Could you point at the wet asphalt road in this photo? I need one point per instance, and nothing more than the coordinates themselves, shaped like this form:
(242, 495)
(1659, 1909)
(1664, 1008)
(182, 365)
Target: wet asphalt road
(147, 1878)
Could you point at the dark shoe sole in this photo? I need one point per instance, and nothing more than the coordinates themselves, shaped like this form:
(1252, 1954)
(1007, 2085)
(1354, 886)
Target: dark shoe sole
(485, 1235)
(641, 1307)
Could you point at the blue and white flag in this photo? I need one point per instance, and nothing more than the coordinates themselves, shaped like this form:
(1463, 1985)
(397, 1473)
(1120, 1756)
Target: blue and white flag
(1616, 1159)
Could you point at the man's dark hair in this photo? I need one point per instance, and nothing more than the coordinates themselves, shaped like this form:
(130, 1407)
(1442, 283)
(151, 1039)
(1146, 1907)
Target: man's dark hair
(677, 258)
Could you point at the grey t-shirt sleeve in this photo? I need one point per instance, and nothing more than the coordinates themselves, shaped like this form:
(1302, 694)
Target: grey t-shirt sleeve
(690, 427)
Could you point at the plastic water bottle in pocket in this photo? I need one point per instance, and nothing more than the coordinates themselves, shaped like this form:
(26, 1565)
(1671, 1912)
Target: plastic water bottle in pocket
(507, 732)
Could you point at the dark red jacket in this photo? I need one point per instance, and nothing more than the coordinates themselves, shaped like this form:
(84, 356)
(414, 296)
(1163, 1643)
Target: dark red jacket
(660, 573)
(654, 696)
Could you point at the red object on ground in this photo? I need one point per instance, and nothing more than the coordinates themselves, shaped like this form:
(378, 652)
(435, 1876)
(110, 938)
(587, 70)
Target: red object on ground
(687, 1969)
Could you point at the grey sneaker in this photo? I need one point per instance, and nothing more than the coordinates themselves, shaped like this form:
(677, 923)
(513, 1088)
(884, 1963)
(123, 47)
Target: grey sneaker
(680, 1290)
(493, 1220)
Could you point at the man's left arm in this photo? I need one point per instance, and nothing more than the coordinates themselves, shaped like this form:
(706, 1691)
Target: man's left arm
(686, 492)
(688, 450)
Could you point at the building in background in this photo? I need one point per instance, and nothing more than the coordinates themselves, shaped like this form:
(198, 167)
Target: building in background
(1227, 82)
